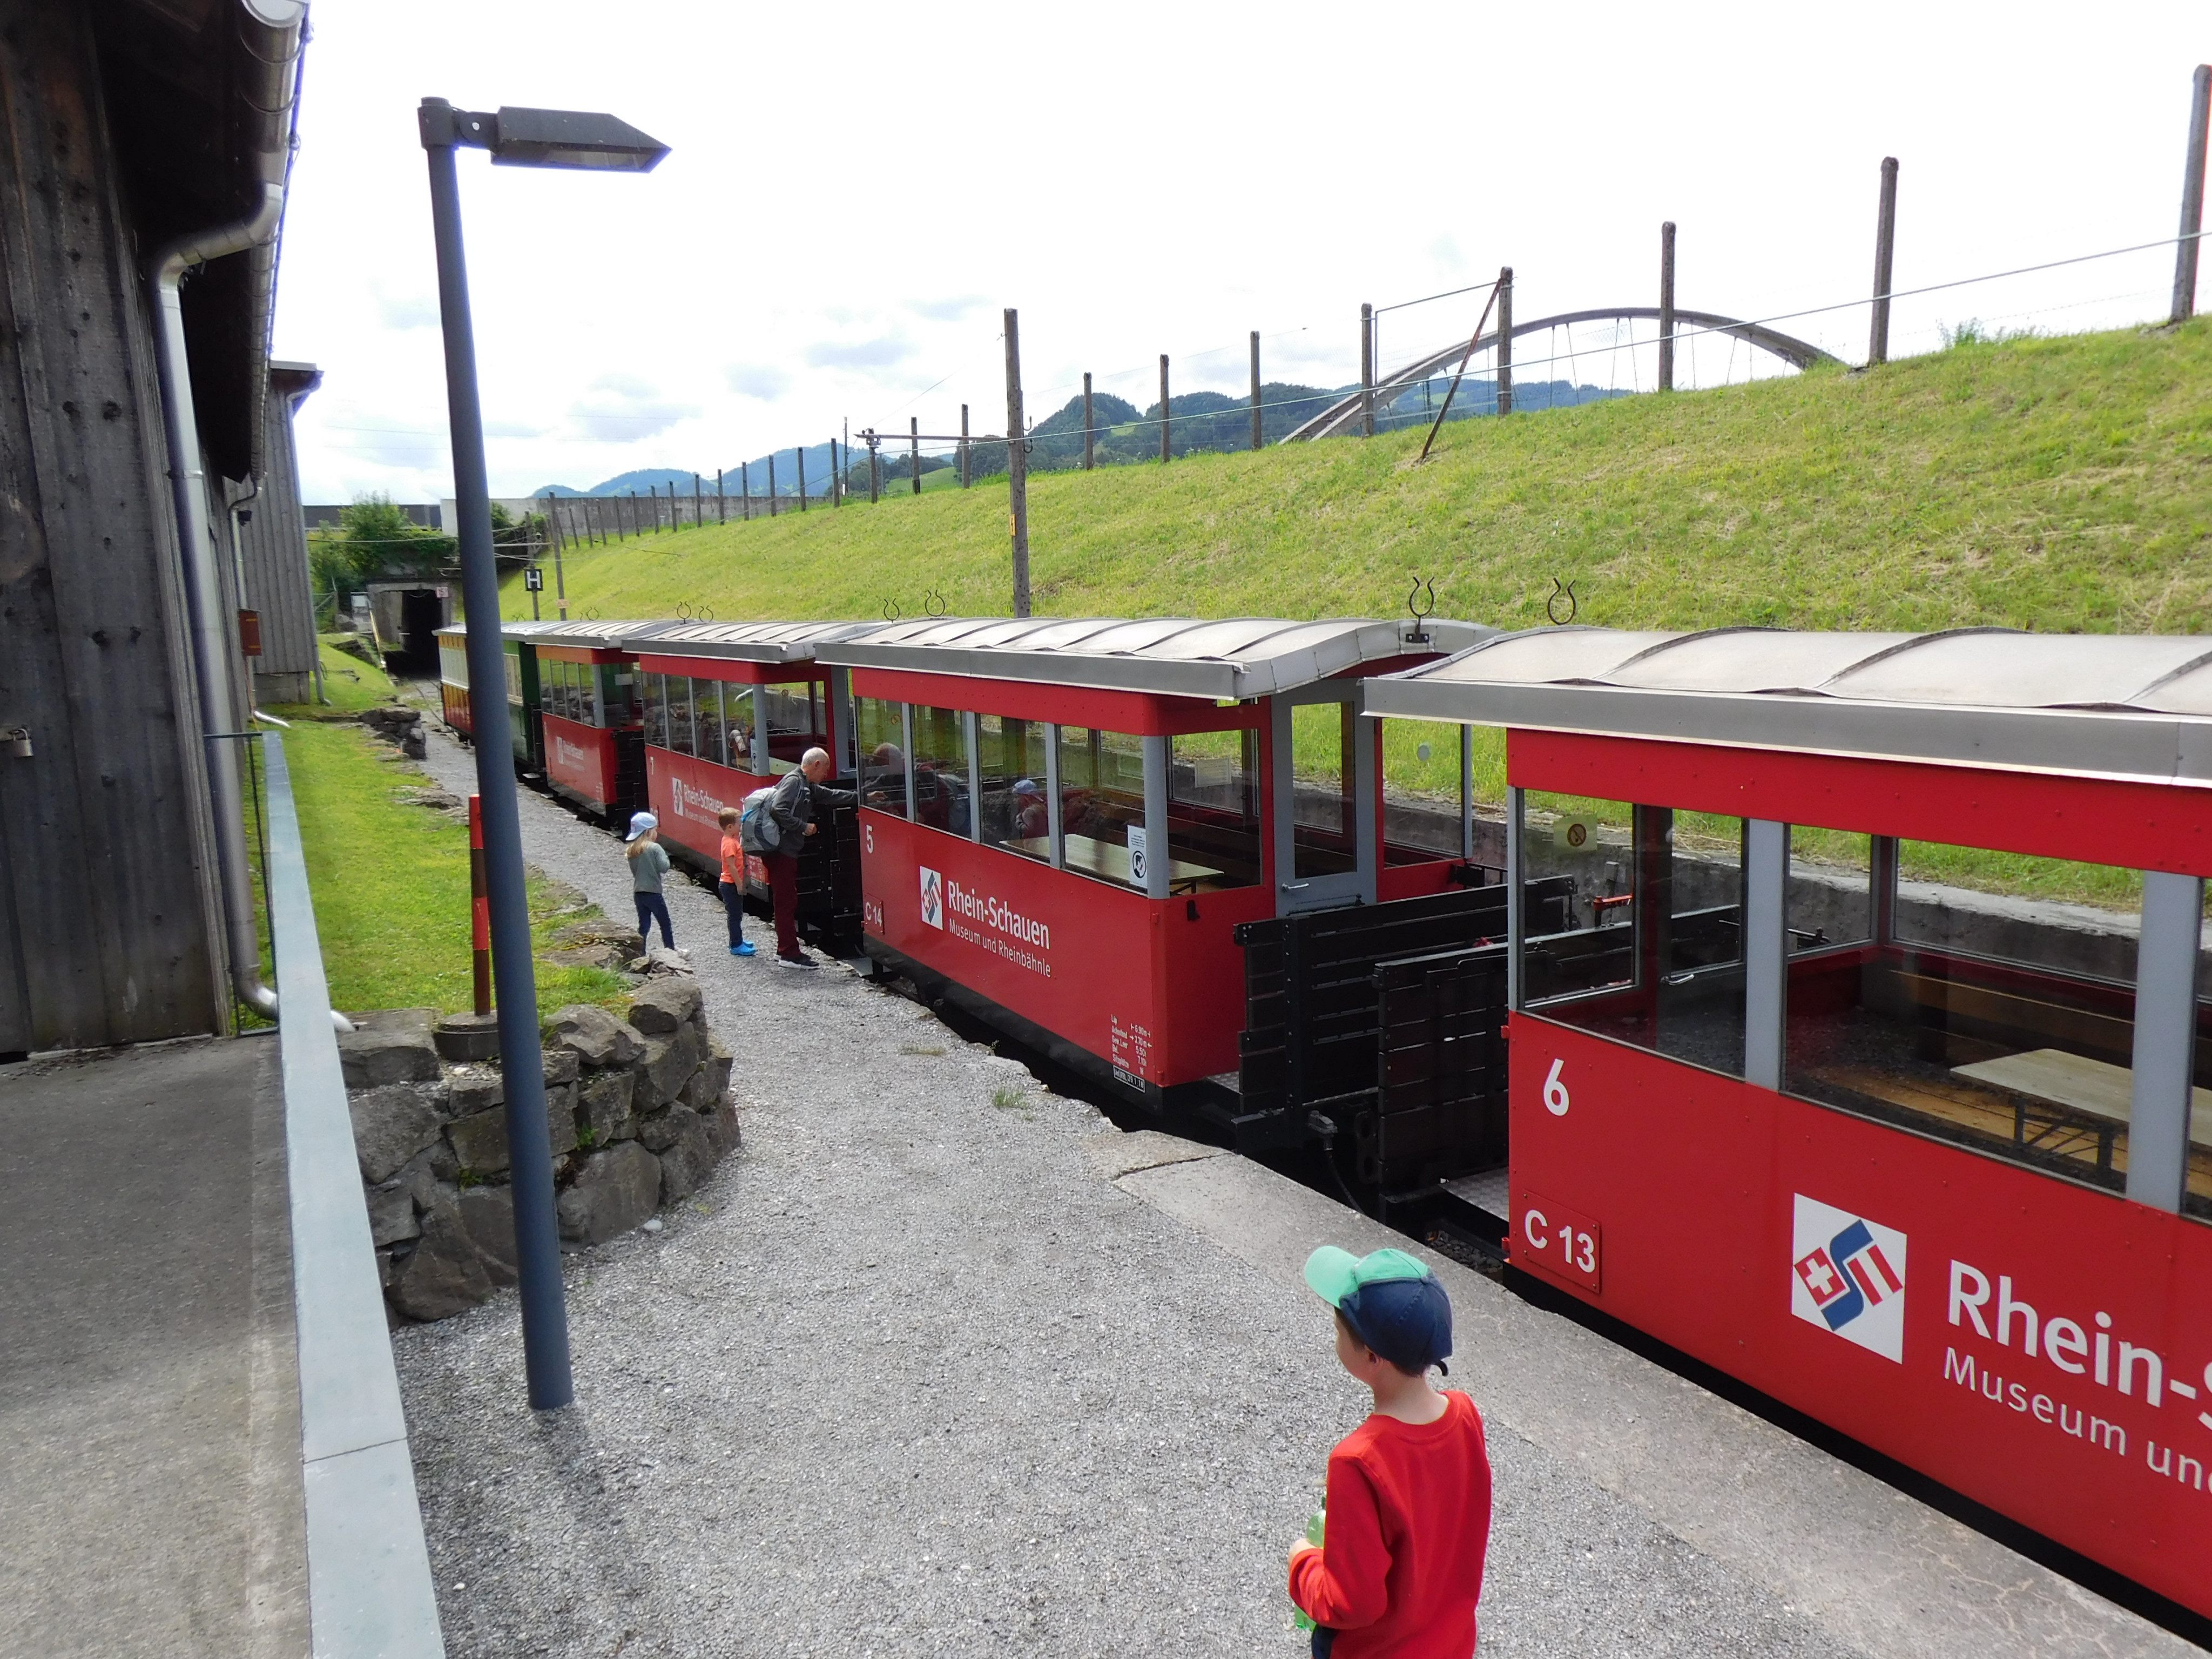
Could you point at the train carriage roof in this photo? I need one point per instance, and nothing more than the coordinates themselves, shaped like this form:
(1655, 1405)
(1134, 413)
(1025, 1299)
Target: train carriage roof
(1233, 657)
(589, 636)
(2103, 704)
(757, 641)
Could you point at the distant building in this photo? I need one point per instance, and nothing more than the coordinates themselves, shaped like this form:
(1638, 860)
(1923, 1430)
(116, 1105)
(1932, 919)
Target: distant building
(327, 517)
(151, 145)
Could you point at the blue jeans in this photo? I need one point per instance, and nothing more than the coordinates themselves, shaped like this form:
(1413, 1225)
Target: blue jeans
(649, 906)
(1324, 1639)
(733, 902)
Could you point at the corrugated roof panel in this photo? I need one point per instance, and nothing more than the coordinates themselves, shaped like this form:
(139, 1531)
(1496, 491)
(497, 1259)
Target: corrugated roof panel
(2012, 670)
(1546, 654)
(1748, 660)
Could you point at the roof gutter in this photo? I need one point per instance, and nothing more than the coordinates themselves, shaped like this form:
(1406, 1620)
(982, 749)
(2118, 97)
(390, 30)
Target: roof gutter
(212, 640)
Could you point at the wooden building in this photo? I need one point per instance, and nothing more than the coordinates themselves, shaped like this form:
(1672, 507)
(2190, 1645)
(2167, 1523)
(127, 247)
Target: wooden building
(150, 142)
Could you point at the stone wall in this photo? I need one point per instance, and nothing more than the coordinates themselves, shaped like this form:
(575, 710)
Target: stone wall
(639, 1111)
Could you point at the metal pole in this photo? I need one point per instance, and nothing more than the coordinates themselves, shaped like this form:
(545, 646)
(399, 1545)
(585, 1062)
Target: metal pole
(1466, 794)
(479, 913)
(1666, 306)
(560, 576)
(1366, 371)
(536, 1238)
(1090, 431)
(963, 446)
(2193, 195)
(746, 486)
(914, 438)
(1018, 465)
(1884, 243)
(1505, 340)
(875, 467)
(1256, 389)
(698, 503)
(801, 452)
(771, 483)
(722, 505)
(1165, 452)
(836, 477)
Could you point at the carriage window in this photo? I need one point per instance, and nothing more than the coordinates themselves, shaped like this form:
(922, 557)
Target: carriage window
(707, 720)
(1102, 793)
(881, 735)
(940, 769)
(679, 715)
(793, 713)
(1634, 924)
(1999, 1012)
(1009, 761)
(1213, 811)
(653, 707)
(618, 685)
(741, 727)
(1831, 899)
(1323, 813)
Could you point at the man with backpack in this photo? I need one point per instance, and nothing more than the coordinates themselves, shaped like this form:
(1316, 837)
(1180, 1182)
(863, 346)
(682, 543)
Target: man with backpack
(797, 807)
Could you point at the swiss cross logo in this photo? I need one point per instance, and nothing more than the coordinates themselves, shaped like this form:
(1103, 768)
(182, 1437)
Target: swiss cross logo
(933, 898)
(1847, 1275)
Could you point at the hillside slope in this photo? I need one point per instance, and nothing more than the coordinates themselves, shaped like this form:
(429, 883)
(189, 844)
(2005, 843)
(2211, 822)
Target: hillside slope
(2058, 484)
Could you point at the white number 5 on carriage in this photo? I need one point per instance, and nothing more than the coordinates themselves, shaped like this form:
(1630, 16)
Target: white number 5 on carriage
(1555, 1091)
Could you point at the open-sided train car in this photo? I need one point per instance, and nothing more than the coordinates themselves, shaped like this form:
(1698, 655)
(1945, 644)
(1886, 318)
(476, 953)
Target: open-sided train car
(1155, 851)
(729, 708)
(525, 729)
(580, 701)
(453, 680)
(1858, 1041)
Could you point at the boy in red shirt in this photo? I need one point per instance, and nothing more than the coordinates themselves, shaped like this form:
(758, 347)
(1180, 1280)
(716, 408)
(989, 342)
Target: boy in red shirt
(1408, 1522)
(730, 889)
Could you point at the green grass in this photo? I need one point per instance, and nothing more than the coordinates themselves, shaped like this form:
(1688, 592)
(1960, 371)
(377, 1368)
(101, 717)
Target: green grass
(2055, 483)
(391, 882)
(349, 684)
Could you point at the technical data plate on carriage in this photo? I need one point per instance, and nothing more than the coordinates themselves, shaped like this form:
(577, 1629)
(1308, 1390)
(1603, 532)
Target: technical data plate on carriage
(1553, 1239)
(1129, 1051)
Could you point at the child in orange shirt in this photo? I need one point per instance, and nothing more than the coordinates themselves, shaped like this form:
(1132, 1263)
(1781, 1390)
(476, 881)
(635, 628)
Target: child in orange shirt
(732, 887)
(1400, 1568)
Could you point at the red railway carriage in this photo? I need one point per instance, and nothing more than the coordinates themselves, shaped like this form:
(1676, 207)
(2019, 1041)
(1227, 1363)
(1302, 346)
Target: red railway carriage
(1858, 1041)
(589, 715)
(729, 708)
(453, 679)
(1070, 828)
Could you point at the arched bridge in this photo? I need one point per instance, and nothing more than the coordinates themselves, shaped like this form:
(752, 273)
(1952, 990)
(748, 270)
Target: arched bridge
(1343, 415)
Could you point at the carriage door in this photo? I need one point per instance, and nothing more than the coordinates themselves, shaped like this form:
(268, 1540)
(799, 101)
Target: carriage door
(1326, 775)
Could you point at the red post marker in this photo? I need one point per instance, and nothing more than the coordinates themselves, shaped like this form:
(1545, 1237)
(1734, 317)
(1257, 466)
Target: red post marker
(479, 906)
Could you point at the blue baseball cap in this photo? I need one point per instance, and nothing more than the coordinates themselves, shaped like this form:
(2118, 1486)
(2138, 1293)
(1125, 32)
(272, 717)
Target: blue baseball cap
(1392, 1301)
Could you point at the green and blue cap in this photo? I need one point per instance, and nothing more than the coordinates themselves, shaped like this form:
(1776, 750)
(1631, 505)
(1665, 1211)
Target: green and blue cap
(1392, 1301)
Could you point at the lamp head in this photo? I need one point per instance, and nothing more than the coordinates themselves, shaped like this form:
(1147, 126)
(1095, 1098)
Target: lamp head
(544, 138)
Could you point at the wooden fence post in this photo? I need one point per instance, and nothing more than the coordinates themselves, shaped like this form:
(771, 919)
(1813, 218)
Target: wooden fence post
(1885, 244)
(745, 491)
(836, 477)
(963, 446)
(1089, 430)
(1018, 465)
(722, 505)
(1505, 340)
(698, 503)
(875, 467)
(560, 576)
(2193, 195)
(914, 459)
(1366, 371)
(1256, 389)
(1666, 305)
(771, 483)
(801, 451)
(1164, 451)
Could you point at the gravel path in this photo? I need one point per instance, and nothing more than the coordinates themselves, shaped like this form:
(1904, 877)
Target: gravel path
(907, 1377)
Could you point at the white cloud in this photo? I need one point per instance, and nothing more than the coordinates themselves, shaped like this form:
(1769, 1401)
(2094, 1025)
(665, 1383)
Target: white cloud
(946, 311)
(881, 352)
(763, 381)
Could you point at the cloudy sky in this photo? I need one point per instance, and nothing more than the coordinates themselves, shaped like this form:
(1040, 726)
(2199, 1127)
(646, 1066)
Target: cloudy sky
(853, 195)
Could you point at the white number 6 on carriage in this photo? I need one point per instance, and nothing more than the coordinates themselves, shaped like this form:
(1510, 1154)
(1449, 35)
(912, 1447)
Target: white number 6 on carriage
(1555, 1091)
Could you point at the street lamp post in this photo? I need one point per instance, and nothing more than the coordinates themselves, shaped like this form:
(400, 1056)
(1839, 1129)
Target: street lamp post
(515, 137)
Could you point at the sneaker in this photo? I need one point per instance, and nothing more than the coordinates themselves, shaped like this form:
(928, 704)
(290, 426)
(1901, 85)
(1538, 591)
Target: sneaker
(797, 962)
(744, 947)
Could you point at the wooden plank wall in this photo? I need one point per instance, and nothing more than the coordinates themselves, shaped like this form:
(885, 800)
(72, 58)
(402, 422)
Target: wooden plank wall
(109, 918)
(275, 544)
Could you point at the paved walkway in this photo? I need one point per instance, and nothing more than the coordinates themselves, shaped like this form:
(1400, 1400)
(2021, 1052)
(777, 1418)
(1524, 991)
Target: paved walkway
(938, 1363)
(149, 1487)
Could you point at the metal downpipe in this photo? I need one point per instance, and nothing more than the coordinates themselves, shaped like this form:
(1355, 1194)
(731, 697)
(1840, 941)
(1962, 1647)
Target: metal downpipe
(202, 582)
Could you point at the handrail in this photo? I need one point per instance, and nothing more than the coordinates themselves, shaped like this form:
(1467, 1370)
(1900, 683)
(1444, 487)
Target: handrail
(369, 1591)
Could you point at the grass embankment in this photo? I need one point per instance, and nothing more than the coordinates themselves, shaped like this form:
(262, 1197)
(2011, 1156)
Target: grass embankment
(390, 878)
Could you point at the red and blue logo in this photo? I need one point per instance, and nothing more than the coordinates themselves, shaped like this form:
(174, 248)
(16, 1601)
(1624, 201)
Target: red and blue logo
(1848, 1276)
